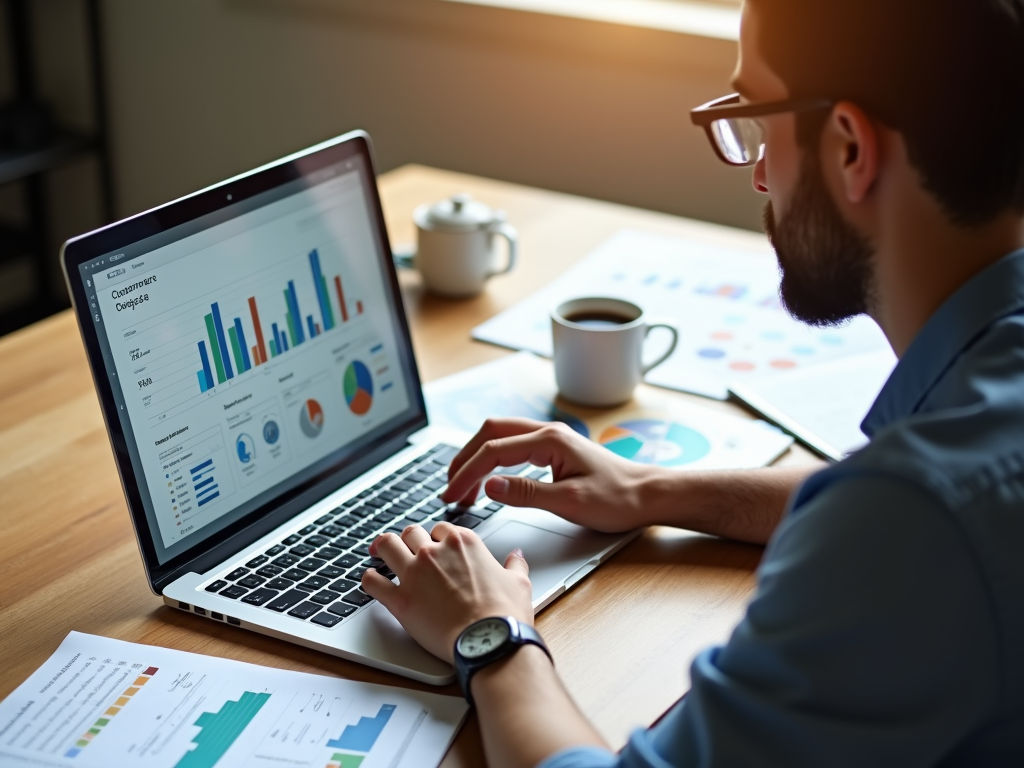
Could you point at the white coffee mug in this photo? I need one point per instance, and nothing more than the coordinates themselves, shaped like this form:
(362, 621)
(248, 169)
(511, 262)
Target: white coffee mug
(455, 251)
(599, 349)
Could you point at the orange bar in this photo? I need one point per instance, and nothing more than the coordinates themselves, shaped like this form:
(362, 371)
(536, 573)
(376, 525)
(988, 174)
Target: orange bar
(141, 681)
(341, 298)
(259, 330)
(359, 307)
(256, 355)
(121, 701)
(112, 711)
(130, 692)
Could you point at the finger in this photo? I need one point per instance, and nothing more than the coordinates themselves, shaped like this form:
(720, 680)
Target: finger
(524, 492)
(415, 537)
(516, 561)
(442, 530)
(492, 429)
(394, 551)
(538, 448)
(380, 587)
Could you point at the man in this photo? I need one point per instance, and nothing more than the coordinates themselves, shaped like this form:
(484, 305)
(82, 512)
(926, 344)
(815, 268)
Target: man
(888, 625)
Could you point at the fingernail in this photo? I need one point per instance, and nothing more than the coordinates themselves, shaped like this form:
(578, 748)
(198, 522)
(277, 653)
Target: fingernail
(518, 553)
(497, 486)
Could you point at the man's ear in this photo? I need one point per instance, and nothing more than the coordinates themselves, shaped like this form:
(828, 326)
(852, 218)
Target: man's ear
(854, 149)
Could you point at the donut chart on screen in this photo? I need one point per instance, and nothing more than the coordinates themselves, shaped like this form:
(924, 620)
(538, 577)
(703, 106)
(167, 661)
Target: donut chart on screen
(652, 441)
(311, 418)
(358, 387)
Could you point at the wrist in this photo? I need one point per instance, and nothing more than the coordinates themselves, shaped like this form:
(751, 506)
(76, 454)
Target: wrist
(523, 672)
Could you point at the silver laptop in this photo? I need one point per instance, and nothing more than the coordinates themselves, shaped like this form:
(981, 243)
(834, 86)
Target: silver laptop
(255, 371)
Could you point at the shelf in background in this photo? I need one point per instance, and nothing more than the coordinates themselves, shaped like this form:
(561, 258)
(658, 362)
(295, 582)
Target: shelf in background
(18, 164)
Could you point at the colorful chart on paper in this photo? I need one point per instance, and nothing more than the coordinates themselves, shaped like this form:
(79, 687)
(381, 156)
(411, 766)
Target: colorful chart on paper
(724, 301)
(649, 441)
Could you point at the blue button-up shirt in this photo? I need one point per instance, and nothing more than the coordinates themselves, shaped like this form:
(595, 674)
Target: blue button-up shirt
(888, 623)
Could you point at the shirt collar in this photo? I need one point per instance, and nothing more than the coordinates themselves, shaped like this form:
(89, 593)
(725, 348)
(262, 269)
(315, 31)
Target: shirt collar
(994, 293)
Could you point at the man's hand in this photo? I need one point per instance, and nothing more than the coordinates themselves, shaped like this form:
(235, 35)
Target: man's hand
(592, 486)
(448, 579)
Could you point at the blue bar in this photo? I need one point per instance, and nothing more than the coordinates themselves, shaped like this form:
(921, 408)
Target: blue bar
(222, 341)
(202, 381)
(205, 464)
(277, 339)
(208, 498)
(206, 366)
(205, 491)
(207, 481)
(312, 328)
(241, 342)
(318, 283)
(375, 350)
(363, 735)
(284, 342)
(386, 387)
(293, 306)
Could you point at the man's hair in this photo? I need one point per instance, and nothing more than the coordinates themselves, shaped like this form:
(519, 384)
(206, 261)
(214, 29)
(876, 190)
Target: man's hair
(947, 74)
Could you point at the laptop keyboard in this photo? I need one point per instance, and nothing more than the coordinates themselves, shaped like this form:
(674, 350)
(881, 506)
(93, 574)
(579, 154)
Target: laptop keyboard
(314, 574)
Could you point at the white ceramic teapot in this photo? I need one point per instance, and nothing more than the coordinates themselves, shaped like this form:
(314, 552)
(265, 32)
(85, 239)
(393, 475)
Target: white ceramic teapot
(455, 251)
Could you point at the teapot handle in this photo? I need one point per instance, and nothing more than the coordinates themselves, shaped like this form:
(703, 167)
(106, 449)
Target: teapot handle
(512, 236)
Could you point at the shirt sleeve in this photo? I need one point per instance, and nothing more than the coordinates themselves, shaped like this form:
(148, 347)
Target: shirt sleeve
(870, 641)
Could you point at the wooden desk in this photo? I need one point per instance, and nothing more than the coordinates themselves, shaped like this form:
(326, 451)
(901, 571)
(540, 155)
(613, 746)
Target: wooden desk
(623, 639)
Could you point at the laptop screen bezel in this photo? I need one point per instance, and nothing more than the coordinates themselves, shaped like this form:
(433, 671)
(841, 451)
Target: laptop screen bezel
(259, 522)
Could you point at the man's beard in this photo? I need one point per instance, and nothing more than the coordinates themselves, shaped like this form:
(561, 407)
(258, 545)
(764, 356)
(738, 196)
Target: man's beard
(826, 265)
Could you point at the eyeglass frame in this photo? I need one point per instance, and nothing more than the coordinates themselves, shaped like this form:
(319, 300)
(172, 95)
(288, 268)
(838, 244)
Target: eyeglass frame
(727, 107)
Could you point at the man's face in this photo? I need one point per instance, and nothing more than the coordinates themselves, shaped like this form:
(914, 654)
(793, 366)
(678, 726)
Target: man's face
(826, 265)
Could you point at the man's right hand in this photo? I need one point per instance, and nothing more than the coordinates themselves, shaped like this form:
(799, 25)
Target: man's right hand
(591, 486)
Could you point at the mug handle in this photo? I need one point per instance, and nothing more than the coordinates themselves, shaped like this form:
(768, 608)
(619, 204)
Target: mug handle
(672, 347)
(509, 233)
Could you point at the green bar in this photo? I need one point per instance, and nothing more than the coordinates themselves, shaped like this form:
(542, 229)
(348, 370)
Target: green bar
(327, 302)
(273, 348)
(236, 350)
(348, 761)
(291, 321)
(81, 743)
(102, 721)
(94, 731)
(215, 348)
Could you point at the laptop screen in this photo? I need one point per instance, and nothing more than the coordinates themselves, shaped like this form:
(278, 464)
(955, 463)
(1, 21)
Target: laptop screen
(251, 350)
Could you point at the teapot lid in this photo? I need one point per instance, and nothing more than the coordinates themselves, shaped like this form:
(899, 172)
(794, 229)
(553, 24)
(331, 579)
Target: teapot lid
(461, 213)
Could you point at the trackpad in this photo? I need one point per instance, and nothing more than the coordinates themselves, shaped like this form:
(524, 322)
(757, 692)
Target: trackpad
(552, 556)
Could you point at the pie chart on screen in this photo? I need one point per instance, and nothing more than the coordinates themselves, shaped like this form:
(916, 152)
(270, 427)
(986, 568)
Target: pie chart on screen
(311, 418)
(358, 386)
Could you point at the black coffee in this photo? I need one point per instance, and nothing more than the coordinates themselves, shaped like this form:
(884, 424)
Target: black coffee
(598, 319)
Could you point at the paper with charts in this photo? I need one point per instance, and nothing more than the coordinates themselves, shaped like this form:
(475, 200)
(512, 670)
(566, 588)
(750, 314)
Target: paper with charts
(723, 300)
(102, 703)
(652, 429)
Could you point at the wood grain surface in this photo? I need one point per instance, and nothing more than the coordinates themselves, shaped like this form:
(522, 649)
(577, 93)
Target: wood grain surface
(622, 640)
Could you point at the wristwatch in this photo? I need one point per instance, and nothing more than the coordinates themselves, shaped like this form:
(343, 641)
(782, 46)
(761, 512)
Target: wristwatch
(487, 641)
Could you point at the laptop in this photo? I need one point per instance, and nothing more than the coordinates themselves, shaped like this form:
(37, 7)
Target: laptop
(256, 375)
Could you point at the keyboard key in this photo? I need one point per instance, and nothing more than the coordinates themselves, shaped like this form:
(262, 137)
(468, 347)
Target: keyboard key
(311, 564)
(313, 583)
(434, 504)
(347, 561)
(362, 551)
(219, 584)
(236, 574)
(316, 541)
(260, 596)
(418, 495)
(250, 582)
(358, 597)
(330, 531)
(342, 609)
(362, 532)
(304, 610)
(344, 543)
(322, 520)
(467, 521)
(325, 598)
(418, 477)
(435, 485)
(365, 494)
(445, 455)
(256, 562)
(234, 591)
(286, 561)
(293, 539)
(307, 530)
(279, 584)
(302, 550)
(389, 495)
(295, 574)
(356, 574)
(416, 517)
(495, 507)
(407, 467)
(330, 572)
(277, 549)
(287, 600)
(361, 512)
(343, 586)
(397, 529)
(348, 521)
(325, 619)
(328, 553)
(269, 571)
(404, 486)
(377, 503)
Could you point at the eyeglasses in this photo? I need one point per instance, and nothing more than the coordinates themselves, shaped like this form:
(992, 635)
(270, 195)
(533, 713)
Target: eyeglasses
(735, 135)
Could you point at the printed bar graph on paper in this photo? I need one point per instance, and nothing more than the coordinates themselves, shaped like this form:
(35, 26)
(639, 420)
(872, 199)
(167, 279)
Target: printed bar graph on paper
(241, 343)
(219, 730)
(341, 299)
(222, 341)
(262, 357)
(321, 290)
(215, 349)
(363, 735)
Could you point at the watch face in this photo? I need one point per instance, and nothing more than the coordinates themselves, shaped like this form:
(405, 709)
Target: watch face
(483, 637)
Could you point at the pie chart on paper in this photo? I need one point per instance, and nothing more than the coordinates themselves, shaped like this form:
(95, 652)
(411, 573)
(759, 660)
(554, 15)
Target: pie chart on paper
(358, 387)
(652, 441)
(311, 418)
